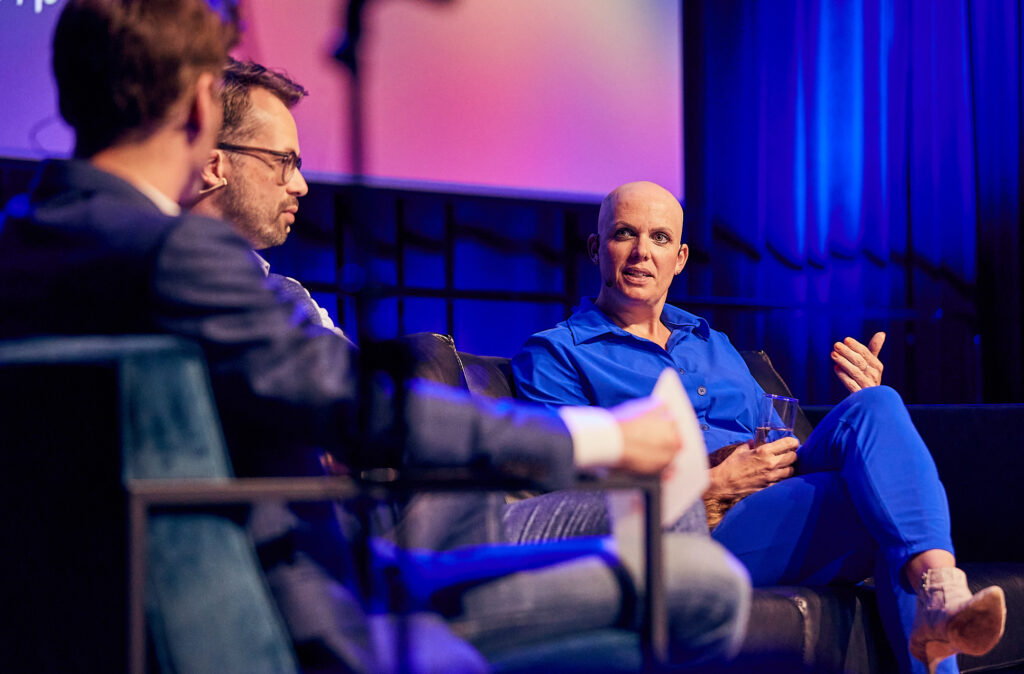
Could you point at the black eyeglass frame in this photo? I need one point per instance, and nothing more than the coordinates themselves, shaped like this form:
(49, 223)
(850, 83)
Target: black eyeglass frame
(290, 162)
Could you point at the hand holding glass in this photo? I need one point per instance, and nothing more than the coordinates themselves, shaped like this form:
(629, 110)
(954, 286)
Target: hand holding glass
(775, 418)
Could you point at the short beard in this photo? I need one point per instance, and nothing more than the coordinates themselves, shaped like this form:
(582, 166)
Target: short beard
(240, 208)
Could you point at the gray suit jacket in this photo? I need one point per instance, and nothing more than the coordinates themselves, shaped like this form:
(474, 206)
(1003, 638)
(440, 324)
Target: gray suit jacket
(86, 253)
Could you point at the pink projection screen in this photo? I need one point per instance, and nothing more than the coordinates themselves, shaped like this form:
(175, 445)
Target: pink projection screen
(550, 96)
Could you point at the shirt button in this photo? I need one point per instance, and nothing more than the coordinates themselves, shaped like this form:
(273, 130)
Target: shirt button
(682, 371)
(701, 390)
(705, 427)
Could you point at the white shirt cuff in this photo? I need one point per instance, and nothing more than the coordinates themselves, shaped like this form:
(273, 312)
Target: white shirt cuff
(596, 436)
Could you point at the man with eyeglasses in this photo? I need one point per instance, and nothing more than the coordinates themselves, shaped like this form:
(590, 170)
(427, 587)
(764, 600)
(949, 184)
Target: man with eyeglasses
(253, 178)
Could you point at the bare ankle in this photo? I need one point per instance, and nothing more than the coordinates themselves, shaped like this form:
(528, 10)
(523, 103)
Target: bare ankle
(920, 563)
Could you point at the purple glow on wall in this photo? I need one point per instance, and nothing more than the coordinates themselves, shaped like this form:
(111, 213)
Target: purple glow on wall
(568, 96)
(31, 126)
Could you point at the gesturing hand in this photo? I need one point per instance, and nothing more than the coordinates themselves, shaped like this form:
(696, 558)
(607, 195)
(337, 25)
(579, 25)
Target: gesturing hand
(856, 365)
(649, 434)
(747, 470)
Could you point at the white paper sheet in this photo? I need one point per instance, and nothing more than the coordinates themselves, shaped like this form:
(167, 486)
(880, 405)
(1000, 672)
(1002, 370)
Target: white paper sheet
(684, 480)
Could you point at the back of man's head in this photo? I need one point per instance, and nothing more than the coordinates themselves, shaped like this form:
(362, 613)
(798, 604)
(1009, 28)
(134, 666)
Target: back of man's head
(121, 65)
(240, 78)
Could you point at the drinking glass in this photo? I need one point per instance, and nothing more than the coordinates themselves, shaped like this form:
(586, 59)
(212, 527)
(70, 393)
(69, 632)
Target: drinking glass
(775, 418)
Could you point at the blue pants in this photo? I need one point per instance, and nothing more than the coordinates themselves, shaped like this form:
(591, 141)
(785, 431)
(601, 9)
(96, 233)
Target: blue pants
(865, 499)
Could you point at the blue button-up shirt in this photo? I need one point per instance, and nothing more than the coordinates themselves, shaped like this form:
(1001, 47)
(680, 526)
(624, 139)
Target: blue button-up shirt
(588, 360)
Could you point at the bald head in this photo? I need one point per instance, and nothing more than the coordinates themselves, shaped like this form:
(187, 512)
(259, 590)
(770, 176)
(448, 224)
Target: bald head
(640, 196)
(638, 247)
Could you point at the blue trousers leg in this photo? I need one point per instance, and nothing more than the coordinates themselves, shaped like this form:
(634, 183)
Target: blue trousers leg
(866, 498)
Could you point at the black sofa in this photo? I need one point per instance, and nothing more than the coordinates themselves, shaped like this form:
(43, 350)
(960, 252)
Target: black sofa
(836, 629)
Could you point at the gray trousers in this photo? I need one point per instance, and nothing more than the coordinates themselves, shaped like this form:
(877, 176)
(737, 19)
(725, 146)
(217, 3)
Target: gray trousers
(707, 590)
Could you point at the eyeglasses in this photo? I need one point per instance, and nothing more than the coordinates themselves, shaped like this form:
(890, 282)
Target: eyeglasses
(290, 162)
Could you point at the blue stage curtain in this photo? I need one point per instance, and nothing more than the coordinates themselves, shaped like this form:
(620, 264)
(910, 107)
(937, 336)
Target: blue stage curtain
(855, 166)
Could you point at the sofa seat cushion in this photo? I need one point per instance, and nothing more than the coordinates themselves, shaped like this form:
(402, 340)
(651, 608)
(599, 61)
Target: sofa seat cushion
(814, 629)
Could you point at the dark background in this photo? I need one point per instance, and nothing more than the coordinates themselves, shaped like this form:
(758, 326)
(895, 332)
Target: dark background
(850, 167)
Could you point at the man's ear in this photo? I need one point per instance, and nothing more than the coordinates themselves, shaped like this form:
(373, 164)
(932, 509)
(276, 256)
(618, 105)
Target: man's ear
(214, 173)
(593, 243)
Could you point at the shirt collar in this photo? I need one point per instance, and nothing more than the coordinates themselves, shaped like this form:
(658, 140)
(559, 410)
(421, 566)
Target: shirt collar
(264, 265)
(588, 322)
(166, 205)
(675, 318)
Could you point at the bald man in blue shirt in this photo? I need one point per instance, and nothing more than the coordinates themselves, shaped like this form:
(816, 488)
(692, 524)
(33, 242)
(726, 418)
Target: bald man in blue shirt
(861, 497)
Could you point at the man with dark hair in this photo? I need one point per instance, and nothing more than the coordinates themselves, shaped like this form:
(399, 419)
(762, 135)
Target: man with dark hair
(139, 82)
(115, 96)
(99, 246)
(240, 77)
(253, 179)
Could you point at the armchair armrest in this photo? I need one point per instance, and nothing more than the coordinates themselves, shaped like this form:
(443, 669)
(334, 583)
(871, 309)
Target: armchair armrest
(654, 628)
(144, 494)
(189, 495)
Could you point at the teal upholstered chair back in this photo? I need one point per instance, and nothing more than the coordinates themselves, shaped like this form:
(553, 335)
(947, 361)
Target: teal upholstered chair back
(81, 418)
